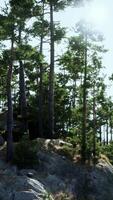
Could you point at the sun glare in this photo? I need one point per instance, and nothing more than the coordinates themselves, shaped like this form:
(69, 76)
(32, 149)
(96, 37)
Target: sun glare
(97, 13)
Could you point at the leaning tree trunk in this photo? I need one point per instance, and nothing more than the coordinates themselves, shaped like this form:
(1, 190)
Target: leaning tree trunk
(51, 75)
(10, 149)
(22, 96)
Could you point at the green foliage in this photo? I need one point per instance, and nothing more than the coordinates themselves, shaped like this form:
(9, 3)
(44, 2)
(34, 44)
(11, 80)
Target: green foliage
(68, 80)
(73, 138)
(59, 33)
(107, 150)
(47, 197)
(67, 151)
(40, 28)
(22, 9)
(25, 155)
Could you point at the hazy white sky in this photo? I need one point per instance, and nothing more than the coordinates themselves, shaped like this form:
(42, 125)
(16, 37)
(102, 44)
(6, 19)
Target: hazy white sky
(100, 14)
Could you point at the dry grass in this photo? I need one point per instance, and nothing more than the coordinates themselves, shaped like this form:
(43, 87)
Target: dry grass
(64, 196)
(104, 159)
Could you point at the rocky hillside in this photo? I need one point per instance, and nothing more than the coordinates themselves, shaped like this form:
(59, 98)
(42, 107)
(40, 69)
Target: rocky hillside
(57, 178)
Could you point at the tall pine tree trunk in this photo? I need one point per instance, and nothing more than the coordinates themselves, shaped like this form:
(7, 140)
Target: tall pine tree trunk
(40, 96)
(107, 132)
(74, 92)
(51, 75)
(10, 149)
(22, 96)
(104, 134)
(94, 125)
(23, 104)
(110, 125)
(111, 131)
(40, 113)
(100, 133)
(83, 149)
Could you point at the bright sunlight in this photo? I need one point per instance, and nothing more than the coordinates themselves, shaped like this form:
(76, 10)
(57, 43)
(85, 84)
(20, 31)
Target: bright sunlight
(97, 13)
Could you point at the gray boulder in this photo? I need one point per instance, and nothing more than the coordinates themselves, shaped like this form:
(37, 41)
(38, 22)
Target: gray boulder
(55, 183)
(21, 188)
(26, 195)
(2, 141)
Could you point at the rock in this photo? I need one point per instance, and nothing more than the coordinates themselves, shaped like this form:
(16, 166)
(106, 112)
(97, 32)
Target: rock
(56, 143)
(26, 195)
(14, 169)
(4, 194)
(21, 188)
(62, 175)
(37, 186)
(61, 143)
(28, 172)
(2, 141)
(25, 183)
(10, 171)
(55, 183)
(2, 165)
(91, 197)
(72, 187)
(56, 175)
(52, 163)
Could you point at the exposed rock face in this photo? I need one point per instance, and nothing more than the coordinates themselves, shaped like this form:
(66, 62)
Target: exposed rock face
(87, 183)
(55, 174)
(14, 187)
(100, 182)
(2, 141)
(25, 195)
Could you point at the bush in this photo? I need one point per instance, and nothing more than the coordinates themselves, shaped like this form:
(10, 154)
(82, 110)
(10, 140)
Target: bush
(67, 152)
(107, 150)
(64, 196)
(25, 155)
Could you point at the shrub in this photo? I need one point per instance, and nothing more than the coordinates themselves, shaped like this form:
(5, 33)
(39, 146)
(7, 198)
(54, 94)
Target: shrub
(107, 150)
(25, 155)
(104, 158)
(67, 152)
(64, 196)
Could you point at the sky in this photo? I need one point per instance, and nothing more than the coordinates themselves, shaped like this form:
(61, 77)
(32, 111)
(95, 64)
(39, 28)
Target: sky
(100, 14)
